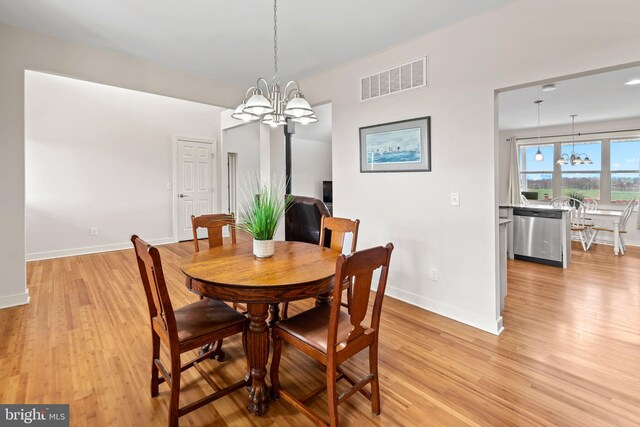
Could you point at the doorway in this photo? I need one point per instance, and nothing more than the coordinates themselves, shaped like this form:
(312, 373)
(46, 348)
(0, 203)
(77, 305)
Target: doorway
(311, 157)
(194, 187)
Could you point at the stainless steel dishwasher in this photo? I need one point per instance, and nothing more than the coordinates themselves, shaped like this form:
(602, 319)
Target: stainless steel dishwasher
(538, 236)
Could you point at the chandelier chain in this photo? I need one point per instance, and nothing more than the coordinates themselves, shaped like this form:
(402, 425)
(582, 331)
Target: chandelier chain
(268, 103)
(276, 77)
(538, 102)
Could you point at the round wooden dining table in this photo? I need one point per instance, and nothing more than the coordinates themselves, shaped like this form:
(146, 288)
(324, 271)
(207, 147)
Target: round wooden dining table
(232, 273)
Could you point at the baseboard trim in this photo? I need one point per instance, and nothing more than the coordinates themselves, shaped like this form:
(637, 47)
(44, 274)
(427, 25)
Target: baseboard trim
(493, 326)
(14, 300)
(37, 256)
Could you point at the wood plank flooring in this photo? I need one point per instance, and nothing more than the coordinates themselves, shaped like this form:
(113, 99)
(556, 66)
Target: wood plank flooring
(570, 355)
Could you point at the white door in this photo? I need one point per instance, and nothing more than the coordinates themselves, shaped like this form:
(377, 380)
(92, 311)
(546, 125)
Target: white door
(194, 184)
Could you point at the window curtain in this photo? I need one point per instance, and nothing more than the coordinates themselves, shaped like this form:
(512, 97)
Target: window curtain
(513, 196)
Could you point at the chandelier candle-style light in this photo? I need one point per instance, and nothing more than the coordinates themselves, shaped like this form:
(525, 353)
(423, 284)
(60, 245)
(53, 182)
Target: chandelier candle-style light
(574, 158)
(276, 107)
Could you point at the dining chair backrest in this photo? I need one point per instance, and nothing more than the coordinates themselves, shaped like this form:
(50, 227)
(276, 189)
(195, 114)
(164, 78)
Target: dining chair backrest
(560, 202)
(155, 287)
(567, 202)
(590, 204)
(524, 200)
(578, 215)
(214, 224)
(358, 268)
(339, 228)
(626, 213)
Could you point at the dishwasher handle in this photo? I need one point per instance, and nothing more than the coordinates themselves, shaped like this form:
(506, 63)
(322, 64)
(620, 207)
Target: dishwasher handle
(538, 213)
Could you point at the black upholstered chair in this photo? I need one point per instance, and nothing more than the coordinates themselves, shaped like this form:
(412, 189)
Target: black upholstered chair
(302, 220)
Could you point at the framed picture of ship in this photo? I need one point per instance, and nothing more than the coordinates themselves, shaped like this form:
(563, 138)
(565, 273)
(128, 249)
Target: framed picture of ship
(403, 146)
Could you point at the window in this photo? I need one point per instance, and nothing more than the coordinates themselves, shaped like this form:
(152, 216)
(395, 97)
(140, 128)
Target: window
(583, 179)
(625, 163)
(612, 178)
(537, 176)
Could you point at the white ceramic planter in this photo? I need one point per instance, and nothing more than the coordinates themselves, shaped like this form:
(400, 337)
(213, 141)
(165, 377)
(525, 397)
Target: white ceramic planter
(263, 248)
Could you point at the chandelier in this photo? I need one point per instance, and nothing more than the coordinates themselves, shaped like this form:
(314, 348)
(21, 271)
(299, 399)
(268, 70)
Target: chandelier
(276, 107)
(574, 158)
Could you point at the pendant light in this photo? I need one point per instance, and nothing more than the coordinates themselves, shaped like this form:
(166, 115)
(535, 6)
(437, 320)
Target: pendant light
(574, 158)
(277, 106)
(539, 156)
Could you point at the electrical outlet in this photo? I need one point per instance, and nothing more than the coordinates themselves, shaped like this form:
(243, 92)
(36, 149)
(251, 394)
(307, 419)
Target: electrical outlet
(94, 231)
(455, 199)
(167, 186)
(433, 274)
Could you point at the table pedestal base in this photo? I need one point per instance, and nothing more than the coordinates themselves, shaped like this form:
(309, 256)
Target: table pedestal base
(257, 356)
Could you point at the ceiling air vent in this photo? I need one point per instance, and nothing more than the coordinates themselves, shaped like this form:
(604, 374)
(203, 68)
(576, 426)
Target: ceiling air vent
(404, 77)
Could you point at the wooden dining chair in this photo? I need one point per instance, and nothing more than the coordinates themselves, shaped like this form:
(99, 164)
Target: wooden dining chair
(579, 224)
(183, 329)
(331, 335)
(214, 224)
(333, 232)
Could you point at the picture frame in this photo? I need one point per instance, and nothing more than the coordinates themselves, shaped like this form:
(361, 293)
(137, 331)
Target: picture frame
(403, 146)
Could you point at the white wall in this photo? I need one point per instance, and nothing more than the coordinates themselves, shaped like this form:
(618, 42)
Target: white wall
(21, 50)
(245, 142)
(101, 156)
(468, 62)
(310, 165)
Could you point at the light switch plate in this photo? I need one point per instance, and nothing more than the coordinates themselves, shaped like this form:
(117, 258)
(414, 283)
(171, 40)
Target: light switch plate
(455, 199)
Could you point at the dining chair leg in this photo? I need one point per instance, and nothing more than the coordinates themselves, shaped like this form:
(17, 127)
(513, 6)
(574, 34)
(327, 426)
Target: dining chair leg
(275, 368)
(583, 240)
(284, 313)
(332, 398)
(594, 233)
(375, 385)
(218, 354)
(174, 402)
(155, 354)
(621, 245)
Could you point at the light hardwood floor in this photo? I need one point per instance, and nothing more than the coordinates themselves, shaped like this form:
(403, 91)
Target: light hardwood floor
(570, 355)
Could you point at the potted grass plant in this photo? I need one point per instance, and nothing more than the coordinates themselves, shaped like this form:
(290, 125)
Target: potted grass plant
(264, 207)
(577, 198)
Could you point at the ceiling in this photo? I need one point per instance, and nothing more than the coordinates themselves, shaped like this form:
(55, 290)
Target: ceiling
(593, 98)
(232, 40)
